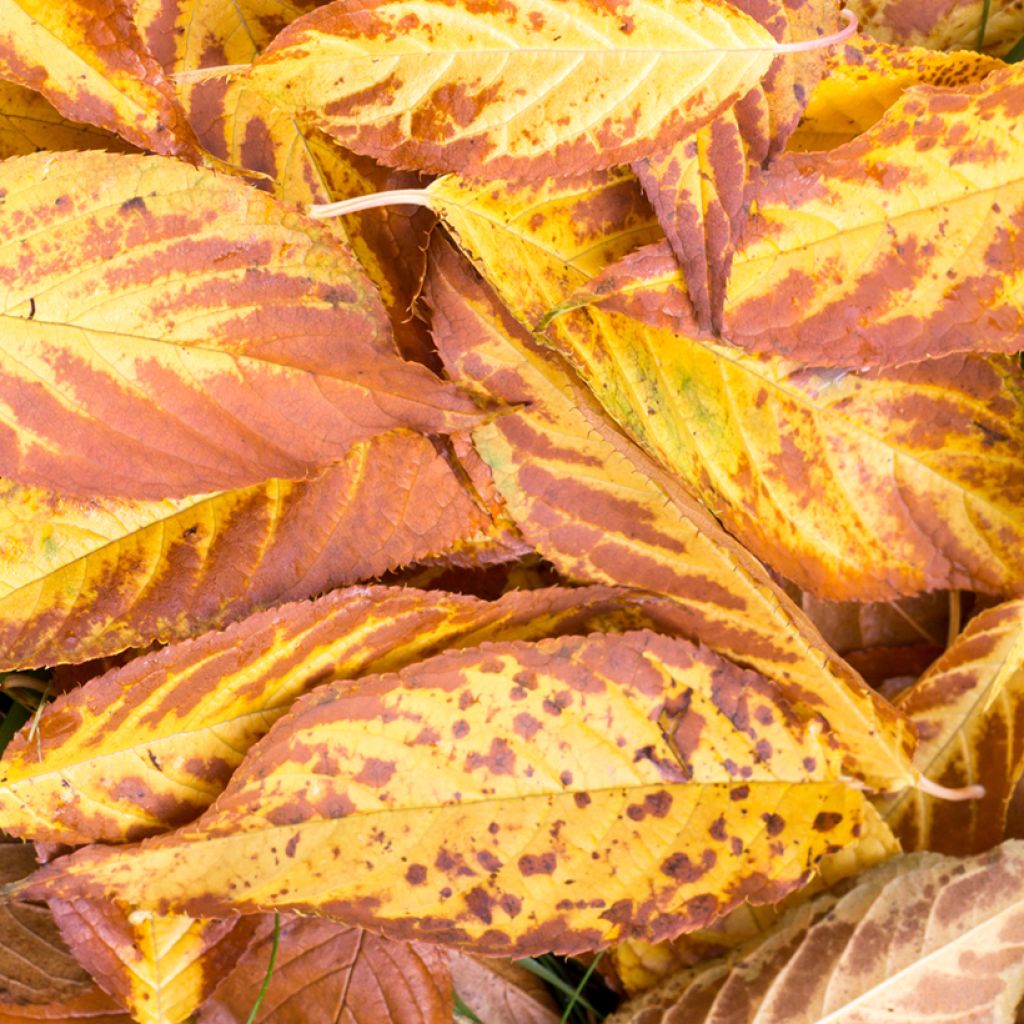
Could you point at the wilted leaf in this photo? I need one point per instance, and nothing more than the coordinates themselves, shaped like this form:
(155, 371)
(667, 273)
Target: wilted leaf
(902, 245)
(28, 123)
(83, 578)
(922, 937)
(94, 1007)
(170, 331)
(941, 25)
(529, 90)
(160, 968)
(327, 972)
(864, 78)
(968, 710)
(147, 747)
(510, 799)
(502, 992)
(595, 506)
(862, 487)
(87, 59)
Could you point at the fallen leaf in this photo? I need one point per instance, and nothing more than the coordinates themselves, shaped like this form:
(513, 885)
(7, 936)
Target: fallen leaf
(783, 454)
(84, 578)
(501, 991)
(147, 747)
(863, 78)
(183, 306)
(87, 59)
(442, 803)
(968, 711)
(327, 972)
(94, 1007)
(530, 90)
(940, 25)
(160, 968)
(601, 511)
(919, 937)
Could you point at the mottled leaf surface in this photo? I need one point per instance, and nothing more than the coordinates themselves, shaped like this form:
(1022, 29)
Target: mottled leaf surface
(941, 25)
(863, 78)
(159, 967)
(84, 578)
(147, 747)
(170, 331)
(902, 245)
(511, 798)
(529, 91)
(330, 973)
(86, 58)
(968, 711)
(601, 511)
(862, 486)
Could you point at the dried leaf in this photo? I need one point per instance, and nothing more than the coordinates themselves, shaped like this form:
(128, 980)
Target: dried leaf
(509, 799)
(902, 245)
(855, 486)
(601, 511)
(919, 937)
(940, 25)
(86, 58)
(160, 968)
(28, 123)
(83, 578)
(182, 306)
(580, 86)
(327, 972)
(968, 710)
(94, 1007)
(864, 78)
(502, 992)
(149, 746)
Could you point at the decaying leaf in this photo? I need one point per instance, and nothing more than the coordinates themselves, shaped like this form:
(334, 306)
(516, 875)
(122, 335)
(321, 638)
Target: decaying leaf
(86, 58)
(863, 78)
(160, 968)
(941, 25)
(147, 747)
(968, 711)
(84, 578)
(529, 90)
(94, 1007)
(601, 511)
(327, 972)
(170, 331)
(921, 937)
(861, 486)
(510, 798)
(501, 991)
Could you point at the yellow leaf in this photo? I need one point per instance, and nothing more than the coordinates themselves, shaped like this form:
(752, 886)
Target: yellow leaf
(864, 78)
(85, 578)
(967, 710)
(159, 967)
(87, 59)
(526, 91)
(171, 331)
(511, 798)
(903, 244)
(601, 511)
(855, 486)
(147, 747)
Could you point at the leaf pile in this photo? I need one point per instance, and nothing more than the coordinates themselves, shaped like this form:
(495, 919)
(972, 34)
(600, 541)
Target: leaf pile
(488, 480)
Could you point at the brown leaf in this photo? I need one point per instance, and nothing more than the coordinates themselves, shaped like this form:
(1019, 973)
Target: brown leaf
(86, 58)
(84, 578)
(149, 746)
(93, 1007)
(602, 511)
(327, 973)
(160, 968)
(182, 305)
(941, 25)
(502, 992)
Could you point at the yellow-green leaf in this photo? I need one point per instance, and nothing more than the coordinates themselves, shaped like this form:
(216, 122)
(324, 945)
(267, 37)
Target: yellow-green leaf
(511, 798)
(525, 91)
(171, 331)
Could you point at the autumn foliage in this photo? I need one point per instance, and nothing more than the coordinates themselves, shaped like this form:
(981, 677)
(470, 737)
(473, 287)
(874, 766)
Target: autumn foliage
(482, 479)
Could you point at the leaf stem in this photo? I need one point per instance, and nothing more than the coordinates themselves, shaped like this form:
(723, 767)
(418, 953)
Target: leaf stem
(823, 41)
(395, 197)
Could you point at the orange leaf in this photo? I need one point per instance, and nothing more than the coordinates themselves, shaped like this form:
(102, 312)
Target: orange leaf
(86, 58)
(170, 331)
